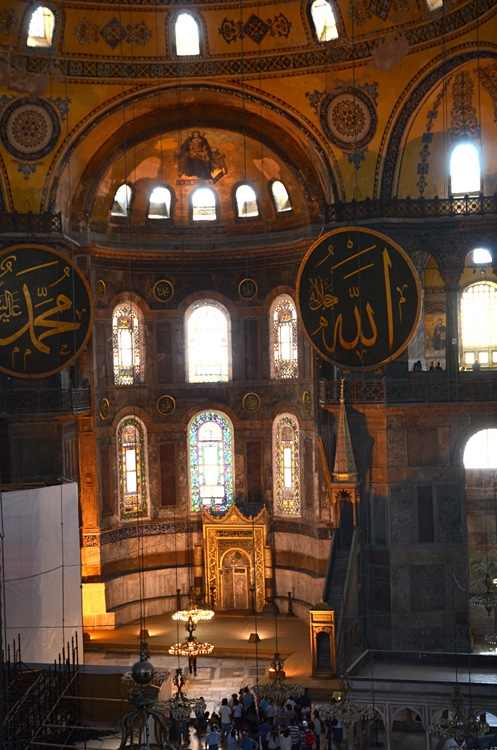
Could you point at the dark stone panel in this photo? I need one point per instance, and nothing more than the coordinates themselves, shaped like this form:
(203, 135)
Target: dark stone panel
(396, 447)
(400, 589)
(379, 520)
(427, 588)
(402, 526)
(422, 446)
(449, 513)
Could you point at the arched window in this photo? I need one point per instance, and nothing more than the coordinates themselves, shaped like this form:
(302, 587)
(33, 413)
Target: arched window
(481, 450)
(159, 205)
(465, 170)
(41, 27)
(286, 465)
(478, 323)
(122, 200)
(211, 461)
(132, 463)
(187, 35)
(284, 345)
(324, 21)
(280, 197)
(208, 329)
(126, 345)
(481, 256)
(204, 204)
(246, 201)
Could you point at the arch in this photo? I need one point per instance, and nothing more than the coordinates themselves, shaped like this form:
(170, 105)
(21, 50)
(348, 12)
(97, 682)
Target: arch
(480, 450)
(280, 197)
(465, 169)
(208, 342)
(245, 200)
(204, 204)
(286, 465)
(101, 135)
(284, 338)
(210, 461)
(132, 468)
(160, 203)
(323, 19)
(122, 201)
(127, 344)
(389, 157)
(478, 325)
(40, 28)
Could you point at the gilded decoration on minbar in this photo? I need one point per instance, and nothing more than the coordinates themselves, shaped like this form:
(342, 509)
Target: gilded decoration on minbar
(46, 311)
(359, 298)
(29, 130)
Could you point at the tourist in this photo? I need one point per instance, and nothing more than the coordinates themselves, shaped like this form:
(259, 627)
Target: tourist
(285, 740)
(295, 735)
(248, 743)
(273, 739)
(212, 739)
(225, 713)
(247, 699)
(270, 713)
(232, 740)
(237, 715)
(264, 729)
(317, 729)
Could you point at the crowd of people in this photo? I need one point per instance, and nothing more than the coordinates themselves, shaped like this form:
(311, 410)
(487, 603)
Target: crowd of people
(245, 723)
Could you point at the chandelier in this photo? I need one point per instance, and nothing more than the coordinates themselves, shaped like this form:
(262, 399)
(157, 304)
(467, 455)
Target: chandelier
(277, 689)
(459, 724)
(191, 648)
(489, 598)
(143, 697)
(345, 710)
(179, 706)
(193, 614)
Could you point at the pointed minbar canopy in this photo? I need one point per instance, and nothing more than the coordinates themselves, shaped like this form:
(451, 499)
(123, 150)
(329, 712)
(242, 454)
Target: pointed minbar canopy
(345, 469)
(345, 477)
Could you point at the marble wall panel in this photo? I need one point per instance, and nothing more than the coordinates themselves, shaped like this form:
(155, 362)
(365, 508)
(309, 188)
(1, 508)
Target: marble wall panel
(396, 447)
(400, 589)
(402, 519)
(427, 588)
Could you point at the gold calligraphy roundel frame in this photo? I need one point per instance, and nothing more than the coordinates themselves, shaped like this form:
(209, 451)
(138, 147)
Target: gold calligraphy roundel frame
(46, 311)
(359, 298)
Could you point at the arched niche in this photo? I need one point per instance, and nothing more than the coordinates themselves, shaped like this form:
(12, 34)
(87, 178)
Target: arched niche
(450, 104)
(281, 148)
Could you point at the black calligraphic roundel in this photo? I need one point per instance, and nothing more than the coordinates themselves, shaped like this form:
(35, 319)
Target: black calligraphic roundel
(359, 298)
(45, 311)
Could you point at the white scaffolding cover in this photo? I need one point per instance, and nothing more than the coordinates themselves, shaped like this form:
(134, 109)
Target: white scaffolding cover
(42, 570)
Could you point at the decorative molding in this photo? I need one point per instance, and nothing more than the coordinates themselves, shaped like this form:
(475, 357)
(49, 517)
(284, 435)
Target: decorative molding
(7, 21)
(361, 10)
(29, 130)
(128, 532)
(255, 28)
(464, 122)
(113, 32)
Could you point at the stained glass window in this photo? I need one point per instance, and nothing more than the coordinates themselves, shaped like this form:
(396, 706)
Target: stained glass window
(125, 343)
(479, 325)
(211, 462)
(324, 20)
(208, 353)
(285, 354)
(187, 35)
(465, 171)
(41, 26)
(286, 465)
(131, 456)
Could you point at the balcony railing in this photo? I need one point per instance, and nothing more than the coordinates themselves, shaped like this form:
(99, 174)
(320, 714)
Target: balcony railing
(59, 400)
(420, 388)
(412, 208)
